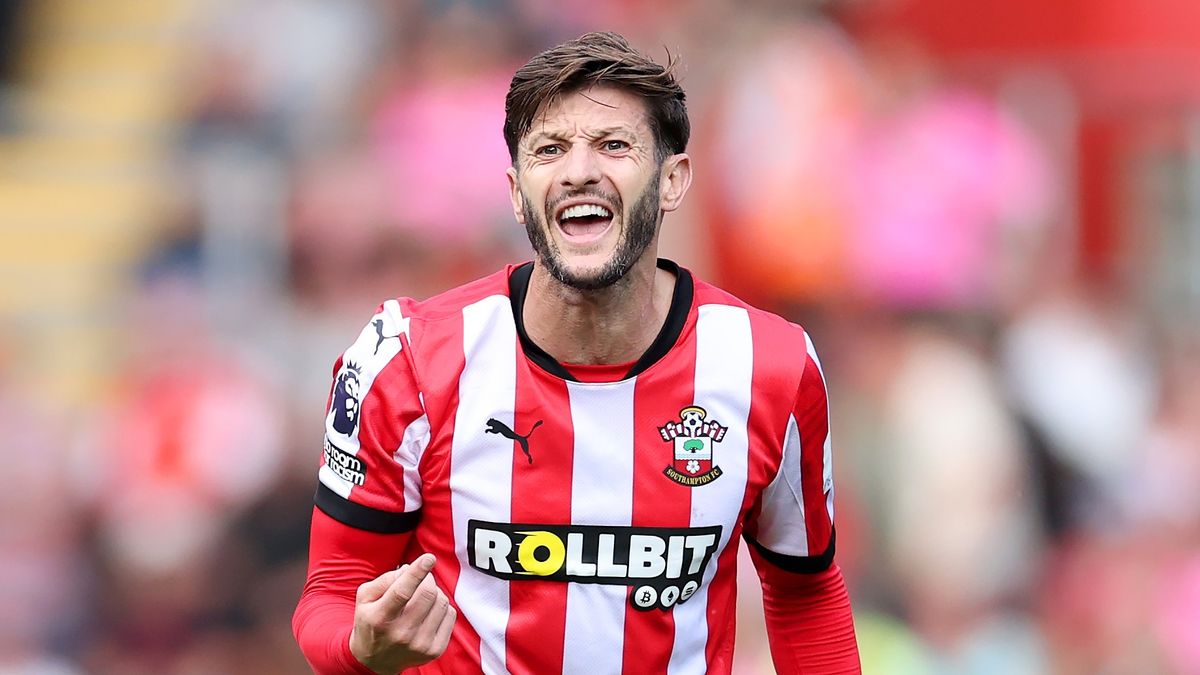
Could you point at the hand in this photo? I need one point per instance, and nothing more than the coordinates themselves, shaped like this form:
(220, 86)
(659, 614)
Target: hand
(401, 619)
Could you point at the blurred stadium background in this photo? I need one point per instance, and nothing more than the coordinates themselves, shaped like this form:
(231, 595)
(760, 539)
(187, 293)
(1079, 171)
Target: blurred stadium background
(987, 214)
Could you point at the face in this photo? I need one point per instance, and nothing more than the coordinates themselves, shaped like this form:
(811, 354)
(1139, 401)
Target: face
(589, 188)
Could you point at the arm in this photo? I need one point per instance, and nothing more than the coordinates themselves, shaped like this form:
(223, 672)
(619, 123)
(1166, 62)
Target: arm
(340, 559)
(355, 607)
(358, 609)
(790, 531)
(809, 623)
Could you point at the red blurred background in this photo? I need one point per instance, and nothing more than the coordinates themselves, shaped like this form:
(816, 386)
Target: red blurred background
(987, 215)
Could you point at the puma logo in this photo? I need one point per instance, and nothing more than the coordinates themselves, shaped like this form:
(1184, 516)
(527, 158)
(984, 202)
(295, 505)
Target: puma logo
(378, 323)
(495, 426)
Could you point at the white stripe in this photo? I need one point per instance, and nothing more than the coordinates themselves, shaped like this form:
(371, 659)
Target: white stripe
(812, 351)
(827, 474)
(827, 450)
(601, 494)
(781, 524)
(370, 355)
(480, 466)
(408, 455)
(724, 371)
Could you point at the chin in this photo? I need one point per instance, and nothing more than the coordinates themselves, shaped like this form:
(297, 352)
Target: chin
(592, 266)
(590, 277)
(589, 265)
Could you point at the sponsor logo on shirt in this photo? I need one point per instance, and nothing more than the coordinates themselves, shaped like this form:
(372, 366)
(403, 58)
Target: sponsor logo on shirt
(693, 436)
(346, 393)
(345, 465)
(663, 566)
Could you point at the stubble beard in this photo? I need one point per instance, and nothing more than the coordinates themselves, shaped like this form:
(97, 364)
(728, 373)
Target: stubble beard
(641, 225)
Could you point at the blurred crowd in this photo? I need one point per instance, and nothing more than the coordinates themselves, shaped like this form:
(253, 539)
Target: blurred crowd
(1016, 428)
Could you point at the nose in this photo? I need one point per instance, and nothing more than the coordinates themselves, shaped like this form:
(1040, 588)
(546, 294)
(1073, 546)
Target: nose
(580, 168)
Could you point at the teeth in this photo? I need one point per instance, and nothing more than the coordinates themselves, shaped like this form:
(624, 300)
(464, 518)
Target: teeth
(583, 210)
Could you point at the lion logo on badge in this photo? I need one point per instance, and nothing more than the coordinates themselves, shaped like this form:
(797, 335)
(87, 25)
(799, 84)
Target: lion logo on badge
(346, 399)
(693, 436)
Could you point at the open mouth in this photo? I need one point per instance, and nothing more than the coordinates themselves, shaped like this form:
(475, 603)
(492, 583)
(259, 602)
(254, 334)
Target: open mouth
(584, 221)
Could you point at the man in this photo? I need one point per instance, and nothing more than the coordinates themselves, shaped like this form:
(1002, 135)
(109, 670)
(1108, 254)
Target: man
(579, 441)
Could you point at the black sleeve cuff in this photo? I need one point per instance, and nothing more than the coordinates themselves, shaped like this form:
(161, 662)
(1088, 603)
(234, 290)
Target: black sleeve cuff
(798, 564)
(364, 517)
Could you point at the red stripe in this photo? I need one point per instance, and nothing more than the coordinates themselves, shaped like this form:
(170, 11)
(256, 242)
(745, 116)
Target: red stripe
(774, 382)
(541, 493)
(392, 403)
(812, 417)
(722, 599)
(658, 397)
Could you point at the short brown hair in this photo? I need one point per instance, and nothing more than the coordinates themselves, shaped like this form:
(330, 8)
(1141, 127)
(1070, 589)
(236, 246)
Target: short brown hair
(591, 59)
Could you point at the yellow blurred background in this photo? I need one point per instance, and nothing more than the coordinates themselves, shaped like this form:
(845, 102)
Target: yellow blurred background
(986, 213)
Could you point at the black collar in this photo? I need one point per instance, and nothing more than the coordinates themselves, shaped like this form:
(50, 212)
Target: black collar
(681, 303)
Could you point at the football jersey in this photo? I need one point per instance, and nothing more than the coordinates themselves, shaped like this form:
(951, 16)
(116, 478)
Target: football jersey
(583, 527)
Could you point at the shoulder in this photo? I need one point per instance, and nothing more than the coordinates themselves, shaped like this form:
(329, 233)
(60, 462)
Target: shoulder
(783, 352)
(769, 329)
(450, 304)
(424, 321)
(400, 324)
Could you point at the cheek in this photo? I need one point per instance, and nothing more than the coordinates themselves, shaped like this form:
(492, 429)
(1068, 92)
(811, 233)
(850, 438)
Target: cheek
(529, 216)
(533, 200)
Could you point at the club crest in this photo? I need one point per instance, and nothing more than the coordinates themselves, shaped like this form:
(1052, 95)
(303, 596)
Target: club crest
(693, 436)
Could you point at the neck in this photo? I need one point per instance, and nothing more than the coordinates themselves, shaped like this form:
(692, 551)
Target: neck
(606, 326)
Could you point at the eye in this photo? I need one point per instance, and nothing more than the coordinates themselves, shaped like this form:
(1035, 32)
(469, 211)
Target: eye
(548, 151)
(615, 146)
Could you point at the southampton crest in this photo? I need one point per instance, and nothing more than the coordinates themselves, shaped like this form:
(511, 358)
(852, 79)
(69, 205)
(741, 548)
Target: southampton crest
(693, 436)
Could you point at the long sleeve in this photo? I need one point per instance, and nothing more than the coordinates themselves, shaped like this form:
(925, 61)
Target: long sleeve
(809, 623)
(792, 541)
(340, 559)
(368, 498)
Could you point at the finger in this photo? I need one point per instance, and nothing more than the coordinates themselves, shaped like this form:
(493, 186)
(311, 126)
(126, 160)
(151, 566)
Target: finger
(374, 589)
(442, 638)
(426, 634)
(404, 585)
(423, 599)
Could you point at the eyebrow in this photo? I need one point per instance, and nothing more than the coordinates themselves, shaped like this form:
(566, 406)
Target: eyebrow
(609, 131)
(559, 136)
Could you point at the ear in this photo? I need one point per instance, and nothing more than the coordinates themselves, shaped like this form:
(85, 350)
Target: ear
(514, 194)
(675, 178)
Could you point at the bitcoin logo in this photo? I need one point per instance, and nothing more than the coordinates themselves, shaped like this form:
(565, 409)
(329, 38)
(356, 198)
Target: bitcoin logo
(645, 596)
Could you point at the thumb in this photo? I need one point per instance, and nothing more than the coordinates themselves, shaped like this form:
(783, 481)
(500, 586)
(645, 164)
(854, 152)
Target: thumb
(375, 588)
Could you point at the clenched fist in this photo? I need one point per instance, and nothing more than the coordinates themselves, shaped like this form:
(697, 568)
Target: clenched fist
(401, 619)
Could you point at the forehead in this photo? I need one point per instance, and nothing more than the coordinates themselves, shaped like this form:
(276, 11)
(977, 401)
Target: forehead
(590, 110)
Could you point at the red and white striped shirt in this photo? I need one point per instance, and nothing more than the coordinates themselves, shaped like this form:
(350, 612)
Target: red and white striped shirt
(583, 526)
